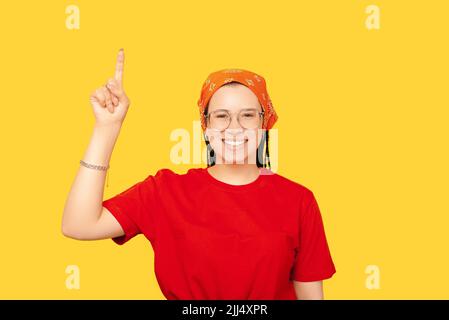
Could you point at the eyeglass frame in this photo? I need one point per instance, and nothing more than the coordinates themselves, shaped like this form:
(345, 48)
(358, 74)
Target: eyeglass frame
(206, 116)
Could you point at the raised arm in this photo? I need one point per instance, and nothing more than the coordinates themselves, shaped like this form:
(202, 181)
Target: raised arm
(84, 217)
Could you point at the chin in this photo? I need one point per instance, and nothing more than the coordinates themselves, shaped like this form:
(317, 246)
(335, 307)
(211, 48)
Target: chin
(233, 161)
(230, 159)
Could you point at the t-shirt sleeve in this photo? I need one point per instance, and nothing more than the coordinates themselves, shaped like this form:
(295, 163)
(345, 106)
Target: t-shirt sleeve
(136, 208)
(313, 259)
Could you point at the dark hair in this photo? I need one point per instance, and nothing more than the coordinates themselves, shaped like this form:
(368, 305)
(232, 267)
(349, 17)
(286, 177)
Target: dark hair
(261, 160)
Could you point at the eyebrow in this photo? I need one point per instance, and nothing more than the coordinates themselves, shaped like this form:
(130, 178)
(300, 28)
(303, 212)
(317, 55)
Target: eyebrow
(224, 109)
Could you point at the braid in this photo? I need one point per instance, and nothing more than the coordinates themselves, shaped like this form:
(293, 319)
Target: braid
(267, 152)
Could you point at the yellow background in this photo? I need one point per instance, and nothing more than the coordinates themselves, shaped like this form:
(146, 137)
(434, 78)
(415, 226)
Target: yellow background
(363, 122)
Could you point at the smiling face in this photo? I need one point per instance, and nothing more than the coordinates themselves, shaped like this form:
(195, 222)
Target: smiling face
(235, 145)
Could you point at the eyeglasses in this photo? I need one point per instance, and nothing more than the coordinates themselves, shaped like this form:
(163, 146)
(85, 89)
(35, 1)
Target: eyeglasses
(249, 118)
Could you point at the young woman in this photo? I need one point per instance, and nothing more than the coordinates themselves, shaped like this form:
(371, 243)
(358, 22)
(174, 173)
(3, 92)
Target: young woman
(231, 230)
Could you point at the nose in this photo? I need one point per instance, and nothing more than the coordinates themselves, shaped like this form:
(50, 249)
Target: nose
(234, 130)
(234, 124)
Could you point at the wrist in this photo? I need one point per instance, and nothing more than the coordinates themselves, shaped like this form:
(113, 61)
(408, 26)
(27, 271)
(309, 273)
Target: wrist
(114, 126)
(104, 137)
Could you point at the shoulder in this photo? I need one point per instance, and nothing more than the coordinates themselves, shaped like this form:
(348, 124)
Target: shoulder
(306, 199)
(167, 174)
(289, 185)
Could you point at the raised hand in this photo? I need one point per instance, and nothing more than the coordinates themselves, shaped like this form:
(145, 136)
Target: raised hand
(109, 102)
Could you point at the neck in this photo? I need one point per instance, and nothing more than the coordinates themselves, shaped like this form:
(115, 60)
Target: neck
(235, 173)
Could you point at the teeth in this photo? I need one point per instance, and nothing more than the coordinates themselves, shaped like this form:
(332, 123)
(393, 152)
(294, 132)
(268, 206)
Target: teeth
(234, 143)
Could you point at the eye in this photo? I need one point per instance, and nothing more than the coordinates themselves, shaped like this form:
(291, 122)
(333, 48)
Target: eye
(220, 115)
(249, 114)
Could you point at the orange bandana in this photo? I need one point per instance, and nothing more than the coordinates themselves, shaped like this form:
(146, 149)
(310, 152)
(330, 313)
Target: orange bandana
(250, 79)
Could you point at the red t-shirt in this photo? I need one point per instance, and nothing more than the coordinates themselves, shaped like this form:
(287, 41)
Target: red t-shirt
(214, 240)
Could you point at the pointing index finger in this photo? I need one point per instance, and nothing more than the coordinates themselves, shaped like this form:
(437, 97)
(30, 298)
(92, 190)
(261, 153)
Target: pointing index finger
(119, 66)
